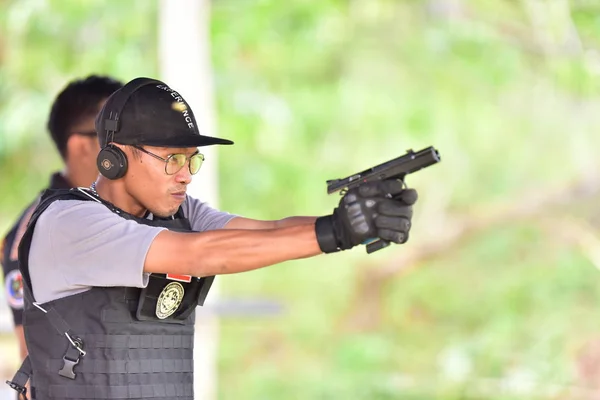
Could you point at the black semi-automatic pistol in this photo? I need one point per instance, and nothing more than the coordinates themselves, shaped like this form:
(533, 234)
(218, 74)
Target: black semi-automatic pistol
(397, 168)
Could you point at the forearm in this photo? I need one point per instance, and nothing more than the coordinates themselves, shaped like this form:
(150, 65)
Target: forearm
(254, 224)
(229, 251)
(294, 221)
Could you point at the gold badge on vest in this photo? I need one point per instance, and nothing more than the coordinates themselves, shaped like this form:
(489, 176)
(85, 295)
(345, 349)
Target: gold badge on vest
(169, 300)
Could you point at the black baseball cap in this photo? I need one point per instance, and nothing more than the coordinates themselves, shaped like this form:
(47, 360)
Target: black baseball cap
(147, 112)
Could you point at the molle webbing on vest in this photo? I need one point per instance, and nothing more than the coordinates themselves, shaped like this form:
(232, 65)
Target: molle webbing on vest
(165, 391)
(138, 341)
(128, 366)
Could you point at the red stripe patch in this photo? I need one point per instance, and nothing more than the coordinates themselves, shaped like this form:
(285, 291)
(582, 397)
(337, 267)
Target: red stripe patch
(180, 278)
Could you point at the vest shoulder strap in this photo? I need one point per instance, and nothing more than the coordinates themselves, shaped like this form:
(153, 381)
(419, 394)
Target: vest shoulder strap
(49, 196)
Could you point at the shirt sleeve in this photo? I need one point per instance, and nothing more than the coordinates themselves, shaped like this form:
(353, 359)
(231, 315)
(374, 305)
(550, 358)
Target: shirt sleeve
(77, 245)
(203, 217)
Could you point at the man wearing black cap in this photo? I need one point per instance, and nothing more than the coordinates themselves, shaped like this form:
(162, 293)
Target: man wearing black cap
(71, 126)
(113, 274)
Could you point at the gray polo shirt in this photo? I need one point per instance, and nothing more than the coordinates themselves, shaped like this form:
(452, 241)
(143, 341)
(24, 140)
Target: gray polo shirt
(80, 244)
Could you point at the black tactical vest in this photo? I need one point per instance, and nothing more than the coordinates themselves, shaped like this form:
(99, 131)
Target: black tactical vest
(111, 343)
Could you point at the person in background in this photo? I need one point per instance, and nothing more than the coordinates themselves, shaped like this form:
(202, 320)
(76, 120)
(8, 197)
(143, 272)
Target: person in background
(71, 127)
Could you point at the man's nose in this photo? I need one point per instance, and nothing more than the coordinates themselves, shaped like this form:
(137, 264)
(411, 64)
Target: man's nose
(184, 175)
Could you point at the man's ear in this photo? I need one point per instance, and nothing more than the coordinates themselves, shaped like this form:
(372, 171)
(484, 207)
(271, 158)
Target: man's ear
(82, 146)
(74, 145)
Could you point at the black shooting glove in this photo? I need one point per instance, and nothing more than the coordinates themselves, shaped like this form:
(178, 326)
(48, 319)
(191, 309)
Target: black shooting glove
(380, 209)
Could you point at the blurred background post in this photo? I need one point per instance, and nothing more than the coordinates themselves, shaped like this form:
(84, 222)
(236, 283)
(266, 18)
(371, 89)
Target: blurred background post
(185, 62)
(496, 294)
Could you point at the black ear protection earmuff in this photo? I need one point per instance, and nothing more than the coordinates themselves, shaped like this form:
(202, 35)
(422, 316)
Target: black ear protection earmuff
(112, 161)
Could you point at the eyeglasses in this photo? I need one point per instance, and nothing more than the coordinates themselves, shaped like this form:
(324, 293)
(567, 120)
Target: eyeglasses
(175, 162)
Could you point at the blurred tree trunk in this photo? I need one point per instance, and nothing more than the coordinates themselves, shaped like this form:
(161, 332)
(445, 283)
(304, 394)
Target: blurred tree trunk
(185, 65)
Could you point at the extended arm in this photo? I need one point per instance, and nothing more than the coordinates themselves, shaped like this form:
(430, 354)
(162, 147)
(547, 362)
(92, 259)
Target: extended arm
(229, 251)
(362, 214)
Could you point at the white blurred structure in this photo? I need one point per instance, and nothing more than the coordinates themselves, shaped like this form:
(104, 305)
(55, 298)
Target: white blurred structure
(185, 65)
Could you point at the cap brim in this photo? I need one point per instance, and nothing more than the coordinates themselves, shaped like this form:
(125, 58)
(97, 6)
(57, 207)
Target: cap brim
(189, 141)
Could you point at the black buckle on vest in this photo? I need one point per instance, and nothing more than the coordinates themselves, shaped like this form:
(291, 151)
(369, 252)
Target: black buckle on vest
(72, 357)
(67, 369)
(20, 389)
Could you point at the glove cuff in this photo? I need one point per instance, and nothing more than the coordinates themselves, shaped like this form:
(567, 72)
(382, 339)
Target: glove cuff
(326, 234)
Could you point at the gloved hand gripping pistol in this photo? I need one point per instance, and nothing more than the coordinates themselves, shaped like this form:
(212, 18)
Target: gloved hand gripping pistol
(397, 169)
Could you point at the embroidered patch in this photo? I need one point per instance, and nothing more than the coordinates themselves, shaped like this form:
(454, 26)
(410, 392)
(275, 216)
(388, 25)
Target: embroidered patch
(14, 289)
(169, 300)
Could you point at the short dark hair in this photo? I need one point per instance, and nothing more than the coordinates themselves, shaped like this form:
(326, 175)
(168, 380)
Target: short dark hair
(76, 102)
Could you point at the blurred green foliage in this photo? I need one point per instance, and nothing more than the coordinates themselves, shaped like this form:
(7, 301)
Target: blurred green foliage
(313, 90)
